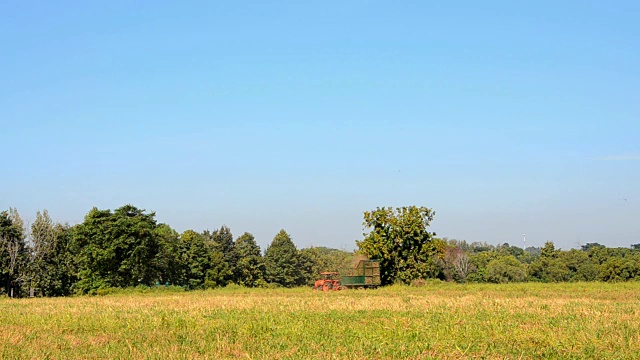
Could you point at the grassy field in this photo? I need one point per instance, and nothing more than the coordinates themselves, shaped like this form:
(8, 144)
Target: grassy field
(521, 321)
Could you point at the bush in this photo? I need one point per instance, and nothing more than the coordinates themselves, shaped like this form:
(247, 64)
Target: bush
(426, 282)
(505, 269)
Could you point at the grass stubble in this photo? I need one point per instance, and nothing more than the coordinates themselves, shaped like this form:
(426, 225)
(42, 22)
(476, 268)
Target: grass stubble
(438, 321)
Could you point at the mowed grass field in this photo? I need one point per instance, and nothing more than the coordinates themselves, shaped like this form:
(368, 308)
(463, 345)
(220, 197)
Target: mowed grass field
(442, 321)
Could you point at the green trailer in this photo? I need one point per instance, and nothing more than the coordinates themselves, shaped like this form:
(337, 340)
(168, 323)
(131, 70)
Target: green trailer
(365, 275)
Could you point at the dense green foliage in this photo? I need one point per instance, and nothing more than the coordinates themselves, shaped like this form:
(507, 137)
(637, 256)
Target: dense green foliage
(505, 263)
(126, 247)
(400, 240)
(250, 269)
(318, 259)
(13, 252)
(51, 261)
(408, 252)
(116, 249)
(283, 262)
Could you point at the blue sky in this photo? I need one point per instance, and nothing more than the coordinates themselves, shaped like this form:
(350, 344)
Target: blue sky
(504, 118)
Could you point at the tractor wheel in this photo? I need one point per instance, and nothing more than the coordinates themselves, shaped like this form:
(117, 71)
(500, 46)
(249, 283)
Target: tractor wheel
(327, 286)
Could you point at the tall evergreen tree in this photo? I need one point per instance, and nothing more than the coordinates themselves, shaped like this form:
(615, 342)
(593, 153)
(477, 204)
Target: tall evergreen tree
(250, 268)
(282, 262)
(222, 241)
(195, 256)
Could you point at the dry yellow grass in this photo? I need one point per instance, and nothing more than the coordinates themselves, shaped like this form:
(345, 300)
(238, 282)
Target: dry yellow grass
(439, 321)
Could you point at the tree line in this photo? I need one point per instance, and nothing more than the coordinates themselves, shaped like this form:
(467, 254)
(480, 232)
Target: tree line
(127, 247)
(506, 263)
(410, 253)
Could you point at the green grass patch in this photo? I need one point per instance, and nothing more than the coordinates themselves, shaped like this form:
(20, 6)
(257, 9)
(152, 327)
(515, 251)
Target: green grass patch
(528, 321)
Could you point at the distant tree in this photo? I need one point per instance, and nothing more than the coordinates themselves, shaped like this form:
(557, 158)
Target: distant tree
(250, 270)
(620, 269)
(222, 242)
(589, 246)
(587, 271)
(533, 251)
(461, 264)
(578, 265)
(13, 252)
(635, 246)
(400, 239)
(246, 246)
(51, 270)
(477, 247)
(170, 259)
(550, 270)
(550, 267)
(445, 263)
(319, 259)
(505, 269)
(282, 262)
(601, 255)
(308, 265)
(460, 244)
(116, 249)
(480, 262)
(219, 272)
(548, 250)
(195, 257)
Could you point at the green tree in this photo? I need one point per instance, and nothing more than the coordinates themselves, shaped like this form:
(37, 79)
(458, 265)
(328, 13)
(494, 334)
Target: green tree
(549, 251)
(116, 249)
(480, 260)
(222, 241)
(51, 270)
(282, 263)
(13, 253)
(400, 239)
(250, 269)
(505, 269)
(169, 261)
(195, 258)
(620, 269)
(511, 250)
(580, 267)
(589, 246)
(551, 266)
(587, 271)
(203, 263)
(318, 259)
(218, 272)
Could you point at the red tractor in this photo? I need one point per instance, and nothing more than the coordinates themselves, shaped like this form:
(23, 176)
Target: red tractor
(329, 281)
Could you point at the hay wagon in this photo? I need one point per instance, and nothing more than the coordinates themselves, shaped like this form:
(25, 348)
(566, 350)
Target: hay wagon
(364, 275)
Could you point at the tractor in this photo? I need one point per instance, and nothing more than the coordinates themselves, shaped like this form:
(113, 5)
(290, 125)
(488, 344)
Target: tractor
(328, 282)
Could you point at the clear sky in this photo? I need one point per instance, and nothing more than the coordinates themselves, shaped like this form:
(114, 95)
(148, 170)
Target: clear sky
(505, 118)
